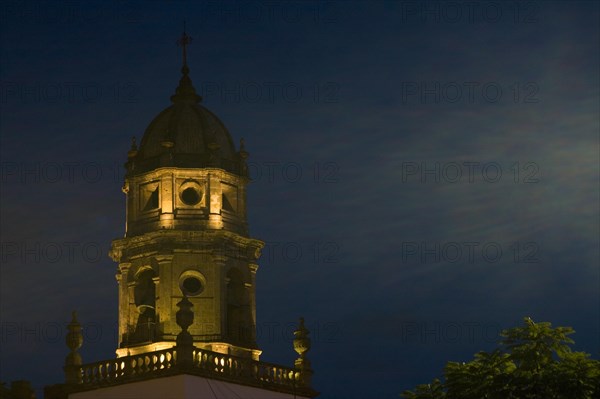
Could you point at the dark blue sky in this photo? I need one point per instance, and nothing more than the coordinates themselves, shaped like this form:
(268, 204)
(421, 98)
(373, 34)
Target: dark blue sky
(363, 121)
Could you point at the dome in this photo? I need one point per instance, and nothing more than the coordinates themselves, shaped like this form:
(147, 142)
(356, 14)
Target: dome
(186, 135)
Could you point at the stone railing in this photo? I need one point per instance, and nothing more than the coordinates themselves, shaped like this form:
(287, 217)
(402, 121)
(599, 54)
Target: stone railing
(124, 368)
(203, 363)
(183, 358)
(245, 369)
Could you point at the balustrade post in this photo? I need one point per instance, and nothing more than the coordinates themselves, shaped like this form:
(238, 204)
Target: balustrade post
(185, 342)
(301, 346)
(74, 340)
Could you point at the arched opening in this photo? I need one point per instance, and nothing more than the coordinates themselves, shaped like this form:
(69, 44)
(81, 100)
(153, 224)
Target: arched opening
(240, 329)
(145, 302)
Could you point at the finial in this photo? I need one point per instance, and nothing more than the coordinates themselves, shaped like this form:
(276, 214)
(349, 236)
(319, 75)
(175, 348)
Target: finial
(74, 340)
(184, 316)
(185, 92)
(301, 346)
(243, 156)
(183, 41)
(133, 150)
(301, 340)
(185, 343)
(243, 153)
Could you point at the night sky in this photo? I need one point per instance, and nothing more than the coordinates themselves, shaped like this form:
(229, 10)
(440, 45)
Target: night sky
(424, 174)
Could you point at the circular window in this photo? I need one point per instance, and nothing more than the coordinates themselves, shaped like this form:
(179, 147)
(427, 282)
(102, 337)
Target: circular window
(190, 196)
(192, 283)
(192, 286)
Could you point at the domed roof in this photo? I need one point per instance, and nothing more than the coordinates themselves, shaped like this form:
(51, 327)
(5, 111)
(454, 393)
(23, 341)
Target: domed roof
(186, 135)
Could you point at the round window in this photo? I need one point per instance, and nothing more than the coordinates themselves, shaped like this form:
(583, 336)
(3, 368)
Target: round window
(192, 286)
(192, 283)
(190, 196)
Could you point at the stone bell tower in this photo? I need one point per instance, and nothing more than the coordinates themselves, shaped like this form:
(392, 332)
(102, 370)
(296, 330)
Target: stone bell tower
(186, 233)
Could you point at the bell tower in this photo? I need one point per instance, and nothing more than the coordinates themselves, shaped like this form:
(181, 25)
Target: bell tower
(186, 233)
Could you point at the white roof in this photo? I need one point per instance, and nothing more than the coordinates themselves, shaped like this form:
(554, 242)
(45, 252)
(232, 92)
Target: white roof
(181, 387)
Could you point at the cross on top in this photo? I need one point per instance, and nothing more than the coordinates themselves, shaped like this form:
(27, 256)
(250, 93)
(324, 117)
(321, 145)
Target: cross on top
(183, 41)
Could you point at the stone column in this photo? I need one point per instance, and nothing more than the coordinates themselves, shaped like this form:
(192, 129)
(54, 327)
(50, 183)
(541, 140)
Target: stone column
(253, 268)
(167, 198)
(214, 201)
(123, 298)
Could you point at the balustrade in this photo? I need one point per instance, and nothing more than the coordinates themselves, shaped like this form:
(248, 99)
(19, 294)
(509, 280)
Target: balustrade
(205, 362)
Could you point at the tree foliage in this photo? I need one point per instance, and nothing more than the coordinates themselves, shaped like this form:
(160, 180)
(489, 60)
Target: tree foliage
(533, 361)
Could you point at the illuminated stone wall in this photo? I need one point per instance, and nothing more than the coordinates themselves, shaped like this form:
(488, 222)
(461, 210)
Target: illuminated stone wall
(187, 232)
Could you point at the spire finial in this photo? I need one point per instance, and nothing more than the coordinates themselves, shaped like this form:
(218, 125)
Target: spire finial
(301, 346)
(243, 153)
(183, 41)
(74, 340)
(133, 150)
(185, 92)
